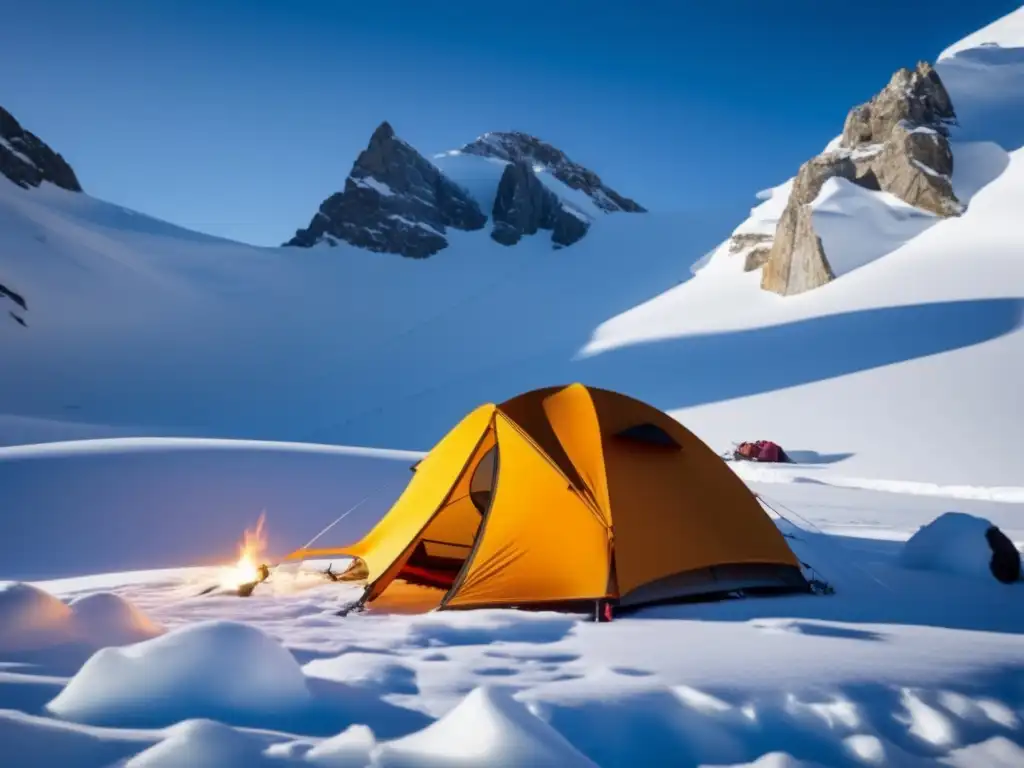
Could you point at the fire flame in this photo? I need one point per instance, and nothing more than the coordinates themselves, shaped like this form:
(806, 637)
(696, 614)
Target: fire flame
(246, 570)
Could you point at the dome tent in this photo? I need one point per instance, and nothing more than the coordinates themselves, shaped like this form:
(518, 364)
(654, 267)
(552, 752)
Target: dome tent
(566, 496)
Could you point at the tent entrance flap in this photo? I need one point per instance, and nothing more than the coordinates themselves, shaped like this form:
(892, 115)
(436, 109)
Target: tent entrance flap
(437, 554)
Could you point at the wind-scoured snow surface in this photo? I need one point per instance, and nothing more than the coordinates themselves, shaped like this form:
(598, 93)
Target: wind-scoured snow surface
(915, 660)
(214, 374)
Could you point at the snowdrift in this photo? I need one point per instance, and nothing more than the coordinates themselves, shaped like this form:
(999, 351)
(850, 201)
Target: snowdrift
(962, 544)
(216, 670)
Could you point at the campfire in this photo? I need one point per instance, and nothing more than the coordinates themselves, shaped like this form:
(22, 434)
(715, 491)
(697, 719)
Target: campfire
(248, 571)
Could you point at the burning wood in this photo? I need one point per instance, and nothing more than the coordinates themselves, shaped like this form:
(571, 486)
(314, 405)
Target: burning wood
(247, 572)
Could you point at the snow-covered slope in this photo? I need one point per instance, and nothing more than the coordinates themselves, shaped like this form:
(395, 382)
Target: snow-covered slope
(901, 666)
(907, 364)
(917, 346)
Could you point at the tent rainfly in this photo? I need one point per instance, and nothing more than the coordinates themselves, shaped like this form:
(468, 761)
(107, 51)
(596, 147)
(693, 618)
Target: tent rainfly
(569, 496)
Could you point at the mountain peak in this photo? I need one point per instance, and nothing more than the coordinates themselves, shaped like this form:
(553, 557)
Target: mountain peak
(26, 159)
(517, 145)
(394, 201)
(383, 133)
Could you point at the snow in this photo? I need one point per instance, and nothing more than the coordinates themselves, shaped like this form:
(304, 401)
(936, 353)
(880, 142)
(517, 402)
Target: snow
(144, 503)
(902, 663)
(953, 542)
(858, 226)
(368, 182)
(576, 214)
(106, 618)
(219, 670)
(880, 340)
(202, 744)
(20, 155)
(213, 373)
(480, 177)
(32, 618)
(764, 218)
(488, 727)
(411, 223)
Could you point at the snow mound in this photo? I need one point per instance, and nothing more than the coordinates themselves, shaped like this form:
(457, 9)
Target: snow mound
(858, 226)
(954, 542)
(42, 741)
(997, 752)
(31, 618)
(352, 748)
(220, 670)
(489, 728)
(105, 618)
(365, 670)
(202, 744)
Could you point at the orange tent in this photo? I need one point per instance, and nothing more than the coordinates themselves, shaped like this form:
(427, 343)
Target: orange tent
(571, 495)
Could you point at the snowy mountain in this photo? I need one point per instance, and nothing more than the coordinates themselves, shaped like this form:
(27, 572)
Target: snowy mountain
(397, 201)
(894, 385)
(27, 160)
(516, 146)
(137, 327)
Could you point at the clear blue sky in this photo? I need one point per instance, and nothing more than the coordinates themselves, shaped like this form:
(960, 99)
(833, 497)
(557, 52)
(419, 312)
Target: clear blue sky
(237, 117)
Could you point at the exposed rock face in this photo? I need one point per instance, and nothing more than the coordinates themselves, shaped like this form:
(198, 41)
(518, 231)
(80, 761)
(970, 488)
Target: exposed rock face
(914, 96)
(26, 160)
(515, 145)
(897, 142)
(755, 247)
(394, 201)
(797, 260)
(524, 205)
(7, 293)
(916, 165)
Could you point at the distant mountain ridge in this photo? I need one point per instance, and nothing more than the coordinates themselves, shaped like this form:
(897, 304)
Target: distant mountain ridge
(28, 161)
(514, 146)
(395, 200)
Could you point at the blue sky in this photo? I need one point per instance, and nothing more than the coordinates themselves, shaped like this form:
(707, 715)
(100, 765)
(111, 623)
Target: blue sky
(237, 117)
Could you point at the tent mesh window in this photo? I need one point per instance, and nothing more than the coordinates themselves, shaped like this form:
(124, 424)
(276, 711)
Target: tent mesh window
(648, 433)
(481, 485)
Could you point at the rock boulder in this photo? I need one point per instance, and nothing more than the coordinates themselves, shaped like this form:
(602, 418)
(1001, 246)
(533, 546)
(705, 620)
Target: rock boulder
(898, 143)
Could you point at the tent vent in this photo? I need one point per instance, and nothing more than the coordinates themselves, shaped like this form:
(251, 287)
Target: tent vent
(648, 433)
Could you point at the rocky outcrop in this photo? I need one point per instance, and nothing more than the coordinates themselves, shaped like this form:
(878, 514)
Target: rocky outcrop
(513, 146)
(797, 261)
(897, 142)
(523, 205)
(26, 160)
(394, 201)
(755, 248)
(7, 293)
(913, 96)
(916, 165)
